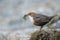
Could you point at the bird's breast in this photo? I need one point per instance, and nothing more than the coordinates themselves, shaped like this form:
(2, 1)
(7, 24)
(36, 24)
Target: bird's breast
(31, 19)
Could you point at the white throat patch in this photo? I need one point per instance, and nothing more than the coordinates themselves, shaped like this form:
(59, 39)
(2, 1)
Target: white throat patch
(31, 19)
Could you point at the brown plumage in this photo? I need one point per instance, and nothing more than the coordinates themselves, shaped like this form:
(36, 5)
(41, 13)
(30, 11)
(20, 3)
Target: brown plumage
(39, 19)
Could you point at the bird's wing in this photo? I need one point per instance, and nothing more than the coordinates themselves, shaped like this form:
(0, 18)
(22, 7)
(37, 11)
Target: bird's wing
(44, 19)
(41, 18)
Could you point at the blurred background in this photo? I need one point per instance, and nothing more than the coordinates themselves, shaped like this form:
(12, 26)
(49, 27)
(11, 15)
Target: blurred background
(12, 25)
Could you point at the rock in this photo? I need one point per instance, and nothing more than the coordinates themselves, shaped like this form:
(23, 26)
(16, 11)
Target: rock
(43, 35)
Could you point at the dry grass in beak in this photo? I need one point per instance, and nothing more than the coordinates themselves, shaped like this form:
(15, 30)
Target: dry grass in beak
(24, 17)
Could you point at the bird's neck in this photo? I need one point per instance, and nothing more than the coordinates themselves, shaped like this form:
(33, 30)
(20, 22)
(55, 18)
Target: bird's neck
(31, 19)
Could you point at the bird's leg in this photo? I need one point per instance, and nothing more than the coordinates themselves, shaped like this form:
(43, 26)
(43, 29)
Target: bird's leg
(41, 28)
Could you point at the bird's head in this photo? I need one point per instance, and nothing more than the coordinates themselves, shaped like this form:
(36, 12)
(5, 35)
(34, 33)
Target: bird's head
(32, 14)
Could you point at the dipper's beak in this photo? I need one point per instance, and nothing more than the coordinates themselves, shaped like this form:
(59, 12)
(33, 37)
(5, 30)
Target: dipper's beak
(24, 17)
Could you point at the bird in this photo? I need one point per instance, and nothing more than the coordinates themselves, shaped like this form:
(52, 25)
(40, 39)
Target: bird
(39, 19)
